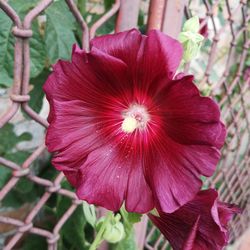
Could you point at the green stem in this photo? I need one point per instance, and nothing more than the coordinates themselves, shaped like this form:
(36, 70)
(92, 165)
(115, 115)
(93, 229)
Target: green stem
(98, 239)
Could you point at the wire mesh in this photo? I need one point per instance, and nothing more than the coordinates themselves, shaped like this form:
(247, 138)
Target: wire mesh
(226, 84)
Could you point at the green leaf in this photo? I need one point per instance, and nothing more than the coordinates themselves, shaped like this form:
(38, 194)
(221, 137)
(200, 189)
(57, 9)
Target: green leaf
(24, 190)
(108, 4)
(191, 50)
(6, 50)
(5, 174)
(72, 232)
(192, 24)
(7, 41)
(23, 6)
(107, 27)
(247, 62)
(155, 212)
(59, 35)
(7, 150)
(89, 212)
(134, 217)
(109, 228)
(129, 219)
(140, 21)
(188, 35)
(37, 51)
(114, 233)
(126, 244)
(9, 139)
(81, 4)
(24, 186)
(37, 94)
(36, 242)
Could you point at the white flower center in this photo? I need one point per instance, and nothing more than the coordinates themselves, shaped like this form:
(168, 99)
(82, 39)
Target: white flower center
(136, 116)
(129, 124)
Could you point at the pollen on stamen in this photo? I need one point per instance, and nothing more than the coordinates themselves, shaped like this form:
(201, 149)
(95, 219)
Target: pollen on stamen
(129, 124)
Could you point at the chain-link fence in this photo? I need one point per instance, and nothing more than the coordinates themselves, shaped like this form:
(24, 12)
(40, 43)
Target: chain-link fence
(221, 70)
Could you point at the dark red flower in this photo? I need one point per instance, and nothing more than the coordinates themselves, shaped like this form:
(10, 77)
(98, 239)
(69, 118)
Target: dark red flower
(203, 29)
(201, 224)
(123, 129)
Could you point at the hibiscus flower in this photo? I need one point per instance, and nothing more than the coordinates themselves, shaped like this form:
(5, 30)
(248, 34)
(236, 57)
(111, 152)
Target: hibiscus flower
(123, 128)
(201, 224)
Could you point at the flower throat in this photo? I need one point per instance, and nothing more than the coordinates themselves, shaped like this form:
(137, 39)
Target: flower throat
(135, 117)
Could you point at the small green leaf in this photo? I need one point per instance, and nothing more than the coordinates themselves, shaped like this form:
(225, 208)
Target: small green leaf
(37, 94)
(134, 217)
(129, 219)
(155, 212)
(191, 50)
(188, 35)
(114, 230)
(90, 214)
(191, 39)
(192, 24)
(59, 35)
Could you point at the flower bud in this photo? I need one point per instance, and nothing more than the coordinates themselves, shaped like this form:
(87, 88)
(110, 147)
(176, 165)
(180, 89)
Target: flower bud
(114, 232)
(191, 39)
(192, 25)
(114, 229)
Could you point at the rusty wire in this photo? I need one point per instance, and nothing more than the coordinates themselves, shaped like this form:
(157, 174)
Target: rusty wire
(232, 174)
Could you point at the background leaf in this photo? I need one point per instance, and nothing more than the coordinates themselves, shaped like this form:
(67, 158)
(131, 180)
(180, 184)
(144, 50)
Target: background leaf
(6, 50)
(9, 139)
(108, 4)
(72, 233)
(59, 32)
(37, 94)
(35, 242)
(126, 244)
(37, 51)
(7, 40)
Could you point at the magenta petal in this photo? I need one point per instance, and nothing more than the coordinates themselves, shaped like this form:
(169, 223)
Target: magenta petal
(190, 241)
(123, 45)
(71, 177)
(181, 166)
(108, 179)
(162, 54)
(139, 197)
(103, 179)
(193, 226)
(191, 118)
